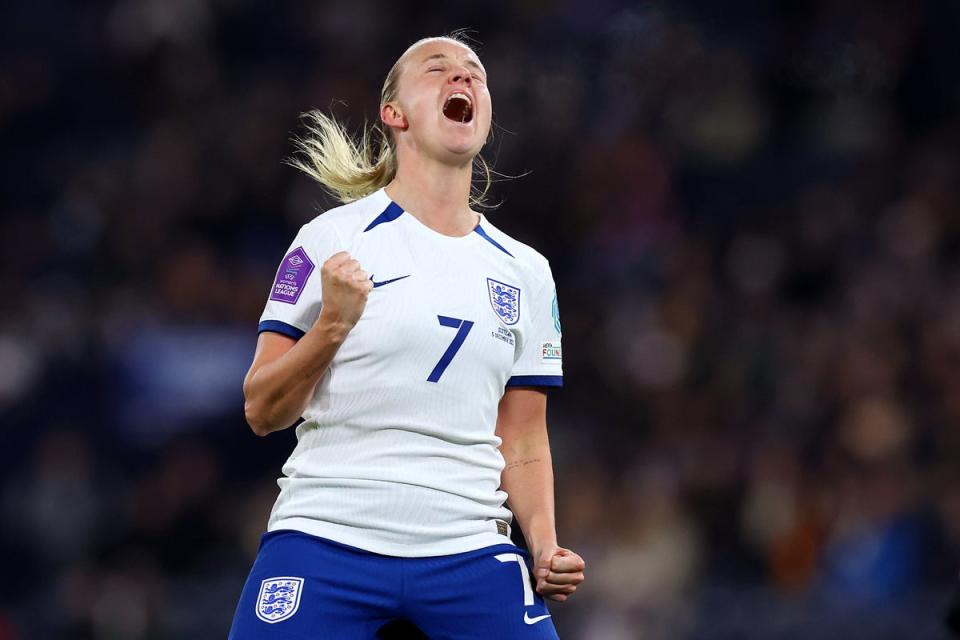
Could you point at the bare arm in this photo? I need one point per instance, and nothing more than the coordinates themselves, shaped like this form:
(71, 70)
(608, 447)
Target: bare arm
(528, 480)
(285, 372)
(528, 472)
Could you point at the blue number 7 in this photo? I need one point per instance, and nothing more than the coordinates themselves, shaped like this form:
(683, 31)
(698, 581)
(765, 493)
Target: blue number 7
(463, 328)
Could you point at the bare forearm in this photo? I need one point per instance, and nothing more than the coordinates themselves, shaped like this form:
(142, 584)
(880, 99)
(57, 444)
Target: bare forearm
(528, 480)
(277, 393)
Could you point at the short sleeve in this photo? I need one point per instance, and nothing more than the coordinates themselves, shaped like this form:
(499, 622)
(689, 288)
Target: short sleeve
(540, 362)
(295, 296)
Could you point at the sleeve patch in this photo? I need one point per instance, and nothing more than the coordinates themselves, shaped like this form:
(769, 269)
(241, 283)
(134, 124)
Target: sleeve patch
(292, 277)
(555, 312)
(551, 352)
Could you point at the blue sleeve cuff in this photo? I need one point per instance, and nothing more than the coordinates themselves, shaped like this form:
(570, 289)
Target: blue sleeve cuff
(535, 381)
(280, 327)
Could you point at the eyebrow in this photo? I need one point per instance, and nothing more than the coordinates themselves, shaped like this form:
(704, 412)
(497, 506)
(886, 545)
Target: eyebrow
(443, 56)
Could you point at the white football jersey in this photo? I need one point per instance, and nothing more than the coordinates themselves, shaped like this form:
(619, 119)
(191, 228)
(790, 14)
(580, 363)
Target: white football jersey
(397, 452)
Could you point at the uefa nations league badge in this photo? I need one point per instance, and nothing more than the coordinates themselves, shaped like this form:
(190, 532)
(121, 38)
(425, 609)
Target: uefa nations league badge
(279, 599)
(292, 277)
(505, 301)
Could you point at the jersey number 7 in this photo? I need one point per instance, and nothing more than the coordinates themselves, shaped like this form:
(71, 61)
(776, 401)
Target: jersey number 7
(463, 328)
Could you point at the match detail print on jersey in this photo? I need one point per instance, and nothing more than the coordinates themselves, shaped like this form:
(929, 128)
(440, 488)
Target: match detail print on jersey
(292, 277)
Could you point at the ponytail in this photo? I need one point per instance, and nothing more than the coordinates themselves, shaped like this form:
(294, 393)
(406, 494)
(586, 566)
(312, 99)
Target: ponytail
(347, 169)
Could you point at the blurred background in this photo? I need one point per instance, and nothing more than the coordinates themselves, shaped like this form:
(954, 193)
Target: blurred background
(752, 210)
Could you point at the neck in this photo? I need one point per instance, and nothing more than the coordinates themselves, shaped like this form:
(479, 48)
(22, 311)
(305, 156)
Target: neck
(437, 194)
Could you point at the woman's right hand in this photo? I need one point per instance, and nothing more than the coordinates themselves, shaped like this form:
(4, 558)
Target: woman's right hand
(345, 289)
(284, 374)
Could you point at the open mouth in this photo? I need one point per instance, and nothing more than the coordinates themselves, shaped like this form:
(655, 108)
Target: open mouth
(458, 108)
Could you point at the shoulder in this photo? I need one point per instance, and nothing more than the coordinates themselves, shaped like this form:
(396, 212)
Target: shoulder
(533, 263)
(346, 221)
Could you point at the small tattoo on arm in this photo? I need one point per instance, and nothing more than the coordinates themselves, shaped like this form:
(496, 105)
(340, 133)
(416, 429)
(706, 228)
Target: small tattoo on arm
(521, 463)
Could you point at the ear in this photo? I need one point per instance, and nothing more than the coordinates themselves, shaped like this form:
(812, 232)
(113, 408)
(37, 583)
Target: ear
(391, 116)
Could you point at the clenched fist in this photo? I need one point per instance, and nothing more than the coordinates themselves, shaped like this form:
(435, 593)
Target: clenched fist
(558, 571)
(345, 289)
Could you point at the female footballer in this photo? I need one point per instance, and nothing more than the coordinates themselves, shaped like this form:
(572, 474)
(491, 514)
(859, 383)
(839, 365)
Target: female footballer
(416, 340)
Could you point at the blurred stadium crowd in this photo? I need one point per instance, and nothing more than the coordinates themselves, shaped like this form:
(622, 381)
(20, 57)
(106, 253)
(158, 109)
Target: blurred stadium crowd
(752, 211)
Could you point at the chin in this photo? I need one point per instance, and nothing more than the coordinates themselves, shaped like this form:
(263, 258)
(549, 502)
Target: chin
(462, 143)
(459, 149)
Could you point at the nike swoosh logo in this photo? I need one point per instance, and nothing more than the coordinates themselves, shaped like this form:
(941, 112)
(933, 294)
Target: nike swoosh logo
(529, 620)
(383, 282)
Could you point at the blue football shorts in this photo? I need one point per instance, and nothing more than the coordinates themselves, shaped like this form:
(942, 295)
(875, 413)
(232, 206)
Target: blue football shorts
(302, 587)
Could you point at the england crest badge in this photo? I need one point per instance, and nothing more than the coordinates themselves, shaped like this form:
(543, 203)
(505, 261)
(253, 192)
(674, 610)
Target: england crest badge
(505, 301)
(279, 599)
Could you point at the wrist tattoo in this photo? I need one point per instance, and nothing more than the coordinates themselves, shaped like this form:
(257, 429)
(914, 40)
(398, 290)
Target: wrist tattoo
(521, 463)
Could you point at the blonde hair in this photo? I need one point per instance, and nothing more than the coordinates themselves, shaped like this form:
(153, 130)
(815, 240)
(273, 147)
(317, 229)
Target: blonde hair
(350, 168)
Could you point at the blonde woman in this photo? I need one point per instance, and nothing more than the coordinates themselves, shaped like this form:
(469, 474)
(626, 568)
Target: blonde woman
(416, 340)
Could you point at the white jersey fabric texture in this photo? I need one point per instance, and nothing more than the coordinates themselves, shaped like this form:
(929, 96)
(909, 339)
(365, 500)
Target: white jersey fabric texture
(397, 453)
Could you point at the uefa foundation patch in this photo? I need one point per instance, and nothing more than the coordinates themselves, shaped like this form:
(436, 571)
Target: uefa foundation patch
(292, 277)
(279, 599)
(551, 352)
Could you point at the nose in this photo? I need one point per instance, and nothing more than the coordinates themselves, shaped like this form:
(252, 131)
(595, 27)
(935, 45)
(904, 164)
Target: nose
(460, 74)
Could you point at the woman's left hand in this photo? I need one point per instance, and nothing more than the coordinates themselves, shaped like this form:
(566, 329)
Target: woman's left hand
(557, 571)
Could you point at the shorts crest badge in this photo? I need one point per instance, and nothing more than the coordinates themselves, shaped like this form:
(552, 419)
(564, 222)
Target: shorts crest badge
(505, 301)
(279, 599)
